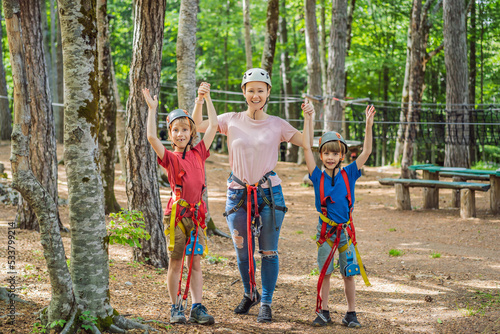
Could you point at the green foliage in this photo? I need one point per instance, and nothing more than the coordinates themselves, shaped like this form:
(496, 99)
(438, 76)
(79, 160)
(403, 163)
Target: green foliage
(128, 228)
(215, 259)
(435, 255)
(39, 328)
(87, 320)
(299, 232)
(392, 230)
(396, 252)
(314, 272)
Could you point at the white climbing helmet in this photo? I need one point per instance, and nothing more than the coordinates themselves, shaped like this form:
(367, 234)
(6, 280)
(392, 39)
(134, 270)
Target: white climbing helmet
(256, 74)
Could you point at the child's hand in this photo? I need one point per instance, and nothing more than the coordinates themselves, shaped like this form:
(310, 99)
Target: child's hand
(204, 90)
(308, 109)
(370, 113)
(152, 102)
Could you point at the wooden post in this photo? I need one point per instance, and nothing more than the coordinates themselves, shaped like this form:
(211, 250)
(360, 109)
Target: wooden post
(455, 194)
(495, 194)
(431, 195)
(468, 203)
(403, 201)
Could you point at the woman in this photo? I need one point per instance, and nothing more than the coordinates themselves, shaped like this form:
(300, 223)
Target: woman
(255, 205)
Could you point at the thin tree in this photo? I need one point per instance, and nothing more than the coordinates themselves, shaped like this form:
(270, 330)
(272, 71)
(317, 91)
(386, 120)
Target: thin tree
(5, 115)
(43, 155)
(248, 37)
(457, 150)
(313, 54)
(336, 66)
(107, 110)
(142, 178)
(271, 36)
(291, 110)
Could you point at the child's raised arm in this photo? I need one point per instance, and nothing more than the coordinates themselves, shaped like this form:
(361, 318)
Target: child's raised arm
(151, 125)
(201, 125)
(306, 143)
(211, 130)
(367, 146)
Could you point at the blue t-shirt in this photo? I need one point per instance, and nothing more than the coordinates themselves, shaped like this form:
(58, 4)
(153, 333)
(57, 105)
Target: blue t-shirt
(338, 206)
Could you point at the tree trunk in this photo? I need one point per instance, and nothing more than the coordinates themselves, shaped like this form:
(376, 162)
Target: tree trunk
(121, 120)
(457, 90)
(272, 23)
(142, 180)
(43, 155)
(107, 111)
(405, 98)
(248, 36)
(291, 110)
(322, 52)
(60, 82)
(350, 13)
(472, 81)
(336, 66)
(81, 156)
(46, 42)
(5, 115)
(24, 180)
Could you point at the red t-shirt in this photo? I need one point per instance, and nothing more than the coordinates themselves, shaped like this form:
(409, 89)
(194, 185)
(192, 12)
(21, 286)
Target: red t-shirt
(193, 180)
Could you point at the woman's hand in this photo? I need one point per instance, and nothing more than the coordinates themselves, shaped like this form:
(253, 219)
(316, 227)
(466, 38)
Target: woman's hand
(204, 90)
(307, 108)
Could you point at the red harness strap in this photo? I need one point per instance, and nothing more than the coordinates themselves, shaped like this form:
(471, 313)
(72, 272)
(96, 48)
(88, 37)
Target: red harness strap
(349, 229)
(251, 190)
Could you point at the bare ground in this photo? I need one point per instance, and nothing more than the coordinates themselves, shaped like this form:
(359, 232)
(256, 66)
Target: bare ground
(457, 292)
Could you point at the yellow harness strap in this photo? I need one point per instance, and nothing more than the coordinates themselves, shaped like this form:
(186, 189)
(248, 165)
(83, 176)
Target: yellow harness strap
(173, 218)
(344, 248)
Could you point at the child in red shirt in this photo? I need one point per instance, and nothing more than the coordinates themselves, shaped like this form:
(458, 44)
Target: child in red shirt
(184, 216)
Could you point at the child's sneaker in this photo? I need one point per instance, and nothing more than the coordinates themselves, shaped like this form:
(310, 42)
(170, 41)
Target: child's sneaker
(199, 315)
(177, 315)
(265, 314)
(319, 321)
(246, 303)
(350, 320)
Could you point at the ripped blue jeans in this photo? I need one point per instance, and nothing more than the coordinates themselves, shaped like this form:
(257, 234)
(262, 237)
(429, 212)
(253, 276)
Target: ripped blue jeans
(268, 239)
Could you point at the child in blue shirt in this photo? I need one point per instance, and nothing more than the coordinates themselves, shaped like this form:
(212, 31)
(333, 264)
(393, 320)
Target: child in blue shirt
(335, 212)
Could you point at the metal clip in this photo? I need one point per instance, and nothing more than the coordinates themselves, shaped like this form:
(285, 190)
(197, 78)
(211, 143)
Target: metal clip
(180, 303)
(320, 314)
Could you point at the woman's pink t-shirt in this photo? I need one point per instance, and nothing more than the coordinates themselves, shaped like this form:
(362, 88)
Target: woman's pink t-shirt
(253, 145)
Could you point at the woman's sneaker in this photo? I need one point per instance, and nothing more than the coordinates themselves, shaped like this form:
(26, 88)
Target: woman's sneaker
(320, 321)
(200, 315)
(350, 320)
(177, 315)
(246, 303)
(265, 314)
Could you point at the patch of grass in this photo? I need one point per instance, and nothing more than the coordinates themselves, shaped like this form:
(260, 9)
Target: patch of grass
(215, 259)
(313, 237)
(435, 255)
(304, 185)
(396, 252)
(392, 230)
(299, 232)
(314, 272)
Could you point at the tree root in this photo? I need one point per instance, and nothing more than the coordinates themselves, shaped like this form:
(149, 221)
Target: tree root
(129, 324)
(116, 329)
(219, 233)
(94, 329)
(4, 295)
(70, 324)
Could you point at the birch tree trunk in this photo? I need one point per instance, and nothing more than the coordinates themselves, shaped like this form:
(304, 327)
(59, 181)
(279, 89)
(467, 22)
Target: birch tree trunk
(81, 156)
(62, 300)
(5, 116)
(248, 36)
(107, 111)
(142, 179)
(186, 54)
(322, 50)
(457, 91)
(314, 71)
(272, 22)
(42, 143)
(336, 66)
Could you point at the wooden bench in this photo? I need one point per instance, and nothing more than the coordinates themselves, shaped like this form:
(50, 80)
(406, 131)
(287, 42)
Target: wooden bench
(467, 193)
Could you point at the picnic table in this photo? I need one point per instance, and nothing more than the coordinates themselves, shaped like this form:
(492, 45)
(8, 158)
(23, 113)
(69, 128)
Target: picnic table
(433, 172)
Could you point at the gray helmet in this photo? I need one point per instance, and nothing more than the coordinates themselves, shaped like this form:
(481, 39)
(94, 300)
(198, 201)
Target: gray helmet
(177, 113)
(256, 74)
(331, 136)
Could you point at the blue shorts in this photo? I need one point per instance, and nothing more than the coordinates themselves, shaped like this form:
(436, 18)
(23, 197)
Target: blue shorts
(324, 251)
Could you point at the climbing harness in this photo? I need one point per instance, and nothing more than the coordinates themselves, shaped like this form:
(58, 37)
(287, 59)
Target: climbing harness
(180, 209)
(254, 224)
(350, 233)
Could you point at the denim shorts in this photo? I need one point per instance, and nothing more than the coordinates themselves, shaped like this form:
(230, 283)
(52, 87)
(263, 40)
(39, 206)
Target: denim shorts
(324, 251)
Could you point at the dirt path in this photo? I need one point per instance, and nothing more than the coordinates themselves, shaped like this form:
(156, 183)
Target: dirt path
(456, 291)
